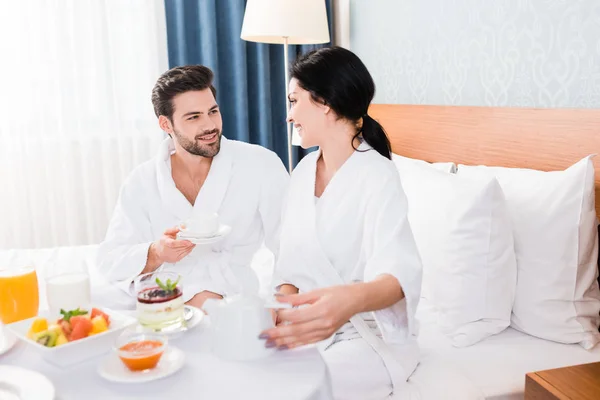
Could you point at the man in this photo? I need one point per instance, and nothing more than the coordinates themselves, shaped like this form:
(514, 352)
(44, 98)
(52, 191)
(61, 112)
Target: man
(197, 170)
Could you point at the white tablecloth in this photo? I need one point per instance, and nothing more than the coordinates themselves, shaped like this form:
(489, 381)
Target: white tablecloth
(293, 374)
(298, 374)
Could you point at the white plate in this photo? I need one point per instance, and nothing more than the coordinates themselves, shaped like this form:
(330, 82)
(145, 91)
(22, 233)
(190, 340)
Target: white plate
(78, 350)
(193, 316)
(113, 369)
(223, 231)
(24, 384)
(7, 341)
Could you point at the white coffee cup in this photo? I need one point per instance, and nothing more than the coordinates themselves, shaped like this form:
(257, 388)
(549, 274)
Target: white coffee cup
(202, 225)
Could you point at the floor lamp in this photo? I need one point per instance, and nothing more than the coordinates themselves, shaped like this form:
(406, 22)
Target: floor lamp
(286, 22)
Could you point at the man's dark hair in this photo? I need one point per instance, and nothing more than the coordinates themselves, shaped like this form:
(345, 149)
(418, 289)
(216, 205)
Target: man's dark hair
(179, 80)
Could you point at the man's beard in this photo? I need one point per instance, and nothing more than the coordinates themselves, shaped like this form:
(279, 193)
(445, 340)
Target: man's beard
(197, 148)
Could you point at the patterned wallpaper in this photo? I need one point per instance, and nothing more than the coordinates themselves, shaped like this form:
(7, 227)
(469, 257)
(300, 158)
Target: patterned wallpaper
(522, 53)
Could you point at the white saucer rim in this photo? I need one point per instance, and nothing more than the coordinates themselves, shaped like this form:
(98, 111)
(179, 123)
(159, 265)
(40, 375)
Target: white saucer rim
(222, 231)
(9, 338)
(41, 378)
(197, 317)
(142, 378)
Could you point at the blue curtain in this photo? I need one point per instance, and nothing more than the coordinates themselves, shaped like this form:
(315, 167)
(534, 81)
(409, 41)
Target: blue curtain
(249, 77)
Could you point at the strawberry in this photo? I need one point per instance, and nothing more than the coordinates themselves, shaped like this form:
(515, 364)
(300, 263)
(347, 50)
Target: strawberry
(81, 328)
(65, 326)
(96, 312)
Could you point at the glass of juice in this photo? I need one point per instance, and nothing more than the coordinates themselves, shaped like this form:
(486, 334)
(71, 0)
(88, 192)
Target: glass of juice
(19, 294)
(160, 304)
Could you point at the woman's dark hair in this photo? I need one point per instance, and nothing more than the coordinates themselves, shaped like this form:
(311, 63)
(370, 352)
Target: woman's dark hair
(180, 80)
(337, 77)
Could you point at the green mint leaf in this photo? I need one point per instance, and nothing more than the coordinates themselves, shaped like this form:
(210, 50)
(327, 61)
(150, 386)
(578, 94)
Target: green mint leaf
(161, 285)
(78, 312)
(72, 313)
(169, 286)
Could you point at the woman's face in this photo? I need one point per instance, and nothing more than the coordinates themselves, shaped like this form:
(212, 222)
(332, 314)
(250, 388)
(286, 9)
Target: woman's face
(309, 117)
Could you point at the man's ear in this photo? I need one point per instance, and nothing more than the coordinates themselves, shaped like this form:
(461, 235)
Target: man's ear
(165, 124)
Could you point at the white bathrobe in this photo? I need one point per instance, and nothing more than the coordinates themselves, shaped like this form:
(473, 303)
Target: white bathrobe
(245, 186)
(356, 231)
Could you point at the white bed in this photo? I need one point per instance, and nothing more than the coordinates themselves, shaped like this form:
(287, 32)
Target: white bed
(495, 367)
(492, 369)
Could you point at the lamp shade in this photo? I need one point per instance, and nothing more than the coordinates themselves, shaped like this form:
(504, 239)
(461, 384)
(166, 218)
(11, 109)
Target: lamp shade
(301, 21)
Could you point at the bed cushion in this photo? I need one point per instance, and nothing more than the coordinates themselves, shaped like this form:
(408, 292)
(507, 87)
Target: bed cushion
(556, 242)
(448, 167)
(463, 234)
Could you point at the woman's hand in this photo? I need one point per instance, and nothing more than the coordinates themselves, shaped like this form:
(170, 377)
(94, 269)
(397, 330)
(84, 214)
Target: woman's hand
(325, 311)
(284, 290)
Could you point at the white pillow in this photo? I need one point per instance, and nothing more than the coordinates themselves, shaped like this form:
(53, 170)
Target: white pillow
(556, 242)
(463, 234)
(448, 167)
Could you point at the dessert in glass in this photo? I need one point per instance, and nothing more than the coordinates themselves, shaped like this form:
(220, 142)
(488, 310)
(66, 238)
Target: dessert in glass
(160, 305)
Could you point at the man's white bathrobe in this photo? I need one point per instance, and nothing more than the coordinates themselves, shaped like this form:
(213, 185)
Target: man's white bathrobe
(245, 186)
(356, 231)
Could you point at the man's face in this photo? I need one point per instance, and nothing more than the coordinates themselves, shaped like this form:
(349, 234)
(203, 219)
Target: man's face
(196, 123)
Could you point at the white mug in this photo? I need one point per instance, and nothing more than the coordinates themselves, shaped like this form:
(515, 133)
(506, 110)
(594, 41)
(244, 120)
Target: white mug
(202, 224)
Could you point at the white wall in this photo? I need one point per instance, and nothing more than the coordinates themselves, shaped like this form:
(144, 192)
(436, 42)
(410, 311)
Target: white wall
(541, 53)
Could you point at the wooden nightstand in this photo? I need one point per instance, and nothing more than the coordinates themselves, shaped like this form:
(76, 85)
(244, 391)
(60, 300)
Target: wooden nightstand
(579, 382)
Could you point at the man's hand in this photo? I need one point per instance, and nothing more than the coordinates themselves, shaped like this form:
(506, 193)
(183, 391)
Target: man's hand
(168, 249)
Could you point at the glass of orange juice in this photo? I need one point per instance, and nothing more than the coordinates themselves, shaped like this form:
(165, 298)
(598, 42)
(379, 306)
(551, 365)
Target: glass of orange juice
(19, 296)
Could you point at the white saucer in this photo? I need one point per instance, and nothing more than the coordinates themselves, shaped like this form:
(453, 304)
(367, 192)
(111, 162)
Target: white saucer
(193, 316)
(7, 341)
(24, 384)
(113, 369)
(223, 231)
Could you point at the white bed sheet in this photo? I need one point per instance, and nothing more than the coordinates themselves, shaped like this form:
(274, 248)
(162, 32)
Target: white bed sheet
(496, 367)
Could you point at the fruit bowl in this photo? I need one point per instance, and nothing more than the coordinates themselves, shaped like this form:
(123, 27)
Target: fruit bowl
(76, 351)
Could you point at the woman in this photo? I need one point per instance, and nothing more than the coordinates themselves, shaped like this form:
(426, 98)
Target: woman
(347, 254)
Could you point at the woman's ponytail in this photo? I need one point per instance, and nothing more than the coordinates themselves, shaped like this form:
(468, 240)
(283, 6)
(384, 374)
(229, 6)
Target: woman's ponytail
(375, 136)
(338, 78)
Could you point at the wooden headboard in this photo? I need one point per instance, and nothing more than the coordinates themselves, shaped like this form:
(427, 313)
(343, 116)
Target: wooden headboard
(543, 139)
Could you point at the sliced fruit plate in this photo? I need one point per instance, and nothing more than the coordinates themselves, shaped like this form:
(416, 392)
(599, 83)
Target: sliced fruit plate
(72, 325)
(74, 336)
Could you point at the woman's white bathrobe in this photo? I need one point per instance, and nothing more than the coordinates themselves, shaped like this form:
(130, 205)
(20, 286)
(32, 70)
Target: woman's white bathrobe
(245, 186)
(356, 231)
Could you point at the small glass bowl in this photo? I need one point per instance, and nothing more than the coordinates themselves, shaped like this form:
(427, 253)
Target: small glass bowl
(140, 351)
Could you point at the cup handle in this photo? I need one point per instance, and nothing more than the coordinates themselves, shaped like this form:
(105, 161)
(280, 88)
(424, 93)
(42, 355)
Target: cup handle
(276, 305)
